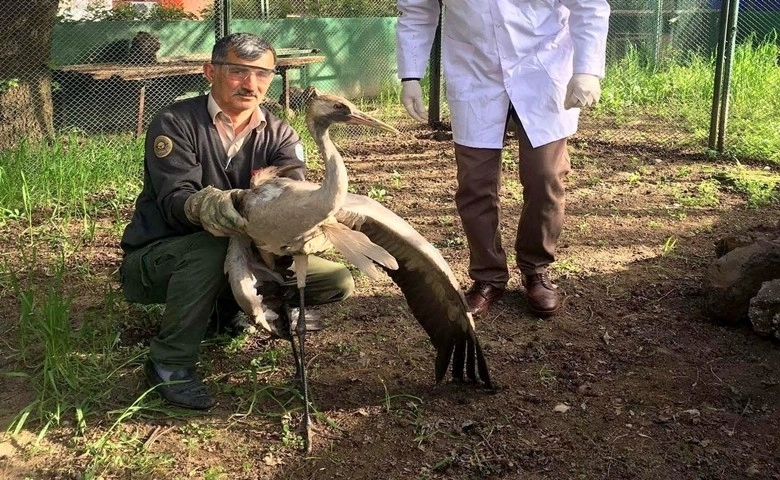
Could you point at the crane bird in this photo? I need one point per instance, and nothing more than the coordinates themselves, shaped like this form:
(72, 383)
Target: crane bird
(298, 218)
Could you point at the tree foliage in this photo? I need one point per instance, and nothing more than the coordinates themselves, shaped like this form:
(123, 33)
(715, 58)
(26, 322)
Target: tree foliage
(126, 11)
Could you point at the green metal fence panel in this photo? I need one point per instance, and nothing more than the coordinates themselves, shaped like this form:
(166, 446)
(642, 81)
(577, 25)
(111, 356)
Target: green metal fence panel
(359, 61)
(109, 41)
(359, 52)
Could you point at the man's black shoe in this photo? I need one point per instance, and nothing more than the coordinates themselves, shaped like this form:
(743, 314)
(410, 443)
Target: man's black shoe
(228, 319)
(184, 389)
(239, 324)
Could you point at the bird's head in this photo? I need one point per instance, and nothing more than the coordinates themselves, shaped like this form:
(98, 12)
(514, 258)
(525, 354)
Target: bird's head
(326, 109)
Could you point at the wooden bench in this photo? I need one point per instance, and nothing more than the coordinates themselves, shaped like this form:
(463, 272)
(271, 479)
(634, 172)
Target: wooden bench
(191, 65)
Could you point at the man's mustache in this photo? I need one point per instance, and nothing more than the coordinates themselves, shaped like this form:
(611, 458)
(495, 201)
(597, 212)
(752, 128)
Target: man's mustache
(245, 93)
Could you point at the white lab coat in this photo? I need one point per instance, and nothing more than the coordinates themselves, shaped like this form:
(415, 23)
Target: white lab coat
(499, 51)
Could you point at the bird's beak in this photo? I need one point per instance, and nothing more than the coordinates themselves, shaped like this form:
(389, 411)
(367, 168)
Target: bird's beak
(360, 118)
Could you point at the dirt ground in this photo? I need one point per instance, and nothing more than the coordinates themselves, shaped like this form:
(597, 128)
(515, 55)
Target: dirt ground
(630, 381)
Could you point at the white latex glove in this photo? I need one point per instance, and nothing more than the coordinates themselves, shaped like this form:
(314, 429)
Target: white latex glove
(412, 100)
(583, 90)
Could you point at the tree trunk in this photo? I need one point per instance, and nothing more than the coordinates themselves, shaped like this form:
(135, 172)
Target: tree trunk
(26, 30)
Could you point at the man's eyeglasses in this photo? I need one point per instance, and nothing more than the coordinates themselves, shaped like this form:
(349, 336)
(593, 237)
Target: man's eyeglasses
(239, 73)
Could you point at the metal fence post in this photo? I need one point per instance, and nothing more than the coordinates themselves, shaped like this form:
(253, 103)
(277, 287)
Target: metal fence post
(221, 18)
(658, 27)
(727, 67)
(434, 98)
(720, 56)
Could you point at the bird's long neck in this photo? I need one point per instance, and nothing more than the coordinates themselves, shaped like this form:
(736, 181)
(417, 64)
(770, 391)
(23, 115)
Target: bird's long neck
(333, 190)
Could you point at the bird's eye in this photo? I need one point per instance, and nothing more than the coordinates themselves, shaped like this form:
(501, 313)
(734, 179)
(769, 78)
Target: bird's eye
(339, 106)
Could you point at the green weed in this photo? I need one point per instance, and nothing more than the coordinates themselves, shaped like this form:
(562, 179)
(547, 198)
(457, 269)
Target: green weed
(378, 193)
(74, 177)
(445, 220)
(509, 160)
(566, 267)
(759, 187)
(668, 247)
(514, 189)
(396, 179)
(707, 195)
(547, 376)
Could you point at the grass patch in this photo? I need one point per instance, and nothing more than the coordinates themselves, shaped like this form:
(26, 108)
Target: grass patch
(74, 177)
(760, 187)
(679, 90)
(73, 369)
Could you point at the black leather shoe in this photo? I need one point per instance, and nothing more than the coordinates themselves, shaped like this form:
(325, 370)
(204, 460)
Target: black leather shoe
(481, 296)
(239, 324)
(542, 294)
(184, 389)
(228, 319)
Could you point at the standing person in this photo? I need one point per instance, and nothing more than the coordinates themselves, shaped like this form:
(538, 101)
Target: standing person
(197, 152)
(536, 61)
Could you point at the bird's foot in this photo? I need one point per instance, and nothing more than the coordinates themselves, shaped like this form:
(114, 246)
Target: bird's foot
(287, 321)
(306, 433)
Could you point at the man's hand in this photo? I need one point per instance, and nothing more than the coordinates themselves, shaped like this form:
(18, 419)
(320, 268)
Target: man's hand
(583, 90)
(215, 211)
(412, 100)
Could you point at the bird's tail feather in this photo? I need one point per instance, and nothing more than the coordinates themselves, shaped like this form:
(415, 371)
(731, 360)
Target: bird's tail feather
(443, 356)
(471, 371)
(484, 374)
(458, 360)
(358, 249)
(467, 357)
(242, 280)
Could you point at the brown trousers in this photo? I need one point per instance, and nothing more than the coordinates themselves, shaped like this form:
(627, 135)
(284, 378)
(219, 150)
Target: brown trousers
(542, 172)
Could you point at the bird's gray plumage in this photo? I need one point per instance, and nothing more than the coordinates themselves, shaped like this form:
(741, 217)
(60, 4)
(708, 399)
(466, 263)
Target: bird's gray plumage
(287, 217)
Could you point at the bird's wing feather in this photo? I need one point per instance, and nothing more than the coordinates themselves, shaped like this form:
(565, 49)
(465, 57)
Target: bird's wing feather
(358, 249)
(426, 280)
(243, 278)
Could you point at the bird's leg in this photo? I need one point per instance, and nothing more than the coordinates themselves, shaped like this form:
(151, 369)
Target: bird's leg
(293, 346)
(301, 265)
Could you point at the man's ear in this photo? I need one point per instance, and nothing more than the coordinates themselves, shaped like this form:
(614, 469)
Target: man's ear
(208, 71)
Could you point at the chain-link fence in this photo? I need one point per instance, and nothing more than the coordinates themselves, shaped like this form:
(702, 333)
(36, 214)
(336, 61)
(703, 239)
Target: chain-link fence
(107, 66)
(661, 29)
(677, 43)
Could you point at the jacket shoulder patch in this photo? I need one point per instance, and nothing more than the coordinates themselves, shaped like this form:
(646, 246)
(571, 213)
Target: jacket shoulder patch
(163, 146)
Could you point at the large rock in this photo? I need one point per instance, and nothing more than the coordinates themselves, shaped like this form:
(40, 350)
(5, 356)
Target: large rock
(764, 309)
(736, 277)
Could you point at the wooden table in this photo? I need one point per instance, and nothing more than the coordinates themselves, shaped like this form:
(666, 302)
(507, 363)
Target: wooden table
(288, 59)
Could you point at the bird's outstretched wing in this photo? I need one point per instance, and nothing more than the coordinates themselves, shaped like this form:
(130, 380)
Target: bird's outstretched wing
(426, 280)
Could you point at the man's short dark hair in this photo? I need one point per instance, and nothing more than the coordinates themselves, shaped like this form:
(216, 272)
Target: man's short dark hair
(246, 46)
